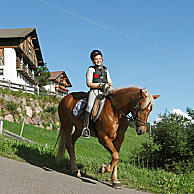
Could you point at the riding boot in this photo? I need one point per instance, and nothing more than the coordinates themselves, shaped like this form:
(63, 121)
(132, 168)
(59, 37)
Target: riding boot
(85, 124)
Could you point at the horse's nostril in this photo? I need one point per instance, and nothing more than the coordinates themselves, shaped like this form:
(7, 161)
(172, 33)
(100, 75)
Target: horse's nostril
(139, 132)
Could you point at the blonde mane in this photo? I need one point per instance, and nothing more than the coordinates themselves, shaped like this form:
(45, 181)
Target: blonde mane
(148, 100)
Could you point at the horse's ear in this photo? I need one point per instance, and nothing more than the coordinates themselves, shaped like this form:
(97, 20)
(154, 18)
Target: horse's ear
(142, 93)
(155, 96)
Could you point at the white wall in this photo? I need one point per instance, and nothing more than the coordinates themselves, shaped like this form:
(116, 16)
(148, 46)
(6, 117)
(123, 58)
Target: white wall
(10, 72)
(50, 87)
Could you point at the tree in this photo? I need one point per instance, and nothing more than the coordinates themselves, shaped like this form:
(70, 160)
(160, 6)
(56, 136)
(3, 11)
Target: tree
(190, 112)
(172, 145)
(43, 75)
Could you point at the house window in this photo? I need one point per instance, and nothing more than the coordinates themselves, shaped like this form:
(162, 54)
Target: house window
(1, 72)
(1, 57)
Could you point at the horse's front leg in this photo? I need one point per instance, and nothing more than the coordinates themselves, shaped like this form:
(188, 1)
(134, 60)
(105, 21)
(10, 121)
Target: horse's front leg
(112, 167)
(123, 125)
(117, 144)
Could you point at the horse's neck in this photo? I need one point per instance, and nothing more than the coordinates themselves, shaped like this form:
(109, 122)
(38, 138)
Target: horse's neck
(127, 100)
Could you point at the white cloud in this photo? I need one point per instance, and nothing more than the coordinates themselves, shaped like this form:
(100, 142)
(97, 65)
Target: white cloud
(158, 120)
(178, 112)
(181, 113)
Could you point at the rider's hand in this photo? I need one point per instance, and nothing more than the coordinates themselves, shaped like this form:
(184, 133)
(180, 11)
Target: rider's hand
(105, 88)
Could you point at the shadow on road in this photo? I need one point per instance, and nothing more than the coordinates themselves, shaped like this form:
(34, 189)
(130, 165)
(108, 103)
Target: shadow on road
(45, 159)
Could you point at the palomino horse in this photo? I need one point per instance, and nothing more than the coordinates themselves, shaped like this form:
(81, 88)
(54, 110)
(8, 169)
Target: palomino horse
(109, 128)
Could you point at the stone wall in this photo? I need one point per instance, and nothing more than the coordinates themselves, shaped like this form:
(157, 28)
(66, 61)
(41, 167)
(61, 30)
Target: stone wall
(36, 111)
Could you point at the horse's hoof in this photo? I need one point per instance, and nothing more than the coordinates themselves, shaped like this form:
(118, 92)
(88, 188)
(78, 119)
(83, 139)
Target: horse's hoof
(116, 185)
(102, 169)
(77, 173)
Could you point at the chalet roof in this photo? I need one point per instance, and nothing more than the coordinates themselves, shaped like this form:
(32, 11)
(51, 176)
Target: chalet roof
(13, 38)
(15, 33)
(56, 74)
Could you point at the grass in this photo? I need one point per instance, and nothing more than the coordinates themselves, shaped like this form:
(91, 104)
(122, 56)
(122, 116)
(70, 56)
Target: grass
(20, 94)
(35, 134)
(90, 155)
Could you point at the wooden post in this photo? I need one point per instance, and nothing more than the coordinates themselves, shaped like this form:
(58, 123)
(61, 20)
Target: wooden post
(1, 127)
(25, 88)
(150, 128)
(22, 126)
(38, 91)
(9, 83)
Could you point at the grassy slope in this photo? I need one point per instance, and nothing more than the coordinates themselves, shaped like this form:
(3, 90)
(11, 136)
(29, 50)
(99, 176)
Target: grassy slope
(90, 155)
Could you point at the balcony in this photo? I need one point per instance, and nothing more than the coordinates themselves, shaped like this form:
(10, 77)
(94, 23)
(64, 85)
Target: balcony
(32, 78)
(26, 72)
(28, 54)
(22, 68)
(1, 62)
(29, 72)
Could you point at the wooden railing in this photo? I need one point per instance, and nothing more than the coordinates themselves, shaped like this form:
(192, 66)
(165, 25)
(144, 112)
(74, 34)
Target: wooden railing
(27, 89)
(21, 67)
(1, 62)
(29, 51)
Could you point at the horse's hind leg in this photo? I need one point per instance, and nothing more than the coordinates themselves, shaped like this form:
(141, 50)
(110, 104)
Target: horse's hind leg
(62, 145)
(71, 150)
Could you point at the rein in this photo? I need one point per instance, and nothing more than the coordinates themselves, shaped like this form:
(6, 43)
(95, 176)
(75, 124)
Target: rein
(129, 118)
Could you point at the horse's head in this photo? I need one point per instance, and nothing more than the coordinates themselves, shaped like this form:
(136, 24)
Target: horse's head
(142, 110)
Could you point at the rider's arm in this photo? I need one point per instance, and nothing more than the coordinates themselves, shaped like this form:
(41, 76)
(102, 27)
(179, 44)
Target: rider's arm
(109, 79)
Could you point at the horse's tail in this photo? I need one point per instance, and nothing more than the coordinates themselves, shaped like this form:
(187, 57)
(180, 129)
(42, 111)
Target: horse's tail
(73, 130)
(57, 140)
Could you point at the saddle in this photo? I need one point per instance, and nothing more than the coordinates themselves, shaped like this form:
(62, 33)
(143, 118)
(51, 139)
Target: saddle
(80, 106)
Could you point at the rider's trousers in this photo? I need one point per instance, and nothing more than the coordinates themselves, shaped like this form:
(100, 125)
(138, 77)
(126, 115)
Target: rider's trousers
(91, 98)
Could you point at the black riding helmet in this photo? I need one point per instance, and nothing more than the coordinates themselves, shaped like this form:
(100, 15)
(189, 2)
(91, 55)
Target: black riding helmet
(94, 53)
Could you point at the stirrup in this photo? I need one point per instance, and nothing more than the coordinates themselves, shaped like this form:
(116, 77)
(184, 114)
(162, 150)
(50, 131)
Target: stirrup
(86, 133)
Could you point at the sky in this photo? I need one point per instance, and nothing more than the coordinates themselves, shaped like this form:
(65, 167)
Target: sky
(145, 43)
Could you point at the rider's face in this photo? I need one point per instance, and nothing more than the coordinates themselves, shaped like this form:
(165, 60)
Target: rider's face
(98, 60)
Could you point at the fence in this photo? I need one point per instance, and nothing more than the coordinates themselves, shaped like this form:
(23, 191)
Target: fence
(27, 89)
(15, 136)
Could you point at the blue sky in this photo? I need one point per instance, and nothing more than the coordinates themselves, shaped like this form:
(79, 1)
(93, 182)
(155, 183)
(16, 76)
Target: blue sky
(147, 43)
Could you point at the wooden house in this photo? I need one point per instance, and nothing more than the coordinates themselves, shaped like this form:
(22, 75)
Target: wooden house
(58, 83)
(20, 55)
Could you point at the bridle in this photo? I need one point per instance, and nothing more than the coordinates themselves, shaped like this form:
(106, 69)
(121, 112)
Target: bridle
(129, 118)
(138, 107)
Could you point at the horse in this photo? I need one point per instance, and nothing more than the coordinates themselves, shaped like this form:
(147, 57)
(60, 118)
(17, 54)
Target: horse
(109, 128)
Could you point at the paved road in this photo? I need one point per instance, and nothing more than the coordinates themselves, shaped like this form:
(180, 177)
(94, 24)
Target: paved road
(19, 177)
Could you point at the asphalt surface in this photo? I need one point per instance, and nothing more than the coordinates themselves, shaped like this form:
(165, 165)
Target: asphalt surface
(20, 177)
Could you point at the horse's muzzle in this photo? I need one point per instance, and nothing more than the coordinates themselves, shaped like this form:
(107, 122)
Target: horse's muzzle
(141, 130)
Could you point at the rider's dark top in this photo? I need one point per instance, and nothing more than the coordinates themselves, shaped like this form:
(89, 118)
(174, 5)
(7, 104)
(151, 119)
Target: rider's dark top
(100, 74)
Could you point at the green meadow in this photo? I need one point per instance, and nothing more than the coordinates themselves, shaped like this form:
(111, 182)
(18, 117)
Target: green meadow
(90, 155)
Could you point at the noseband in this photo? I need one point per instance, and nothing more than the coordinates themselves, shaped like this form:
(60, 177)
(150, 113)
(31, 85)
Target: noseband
(135, 118)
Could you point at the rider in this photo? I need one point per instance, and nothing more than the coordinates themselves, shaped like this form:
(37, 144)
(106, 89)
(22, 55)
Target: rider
(99, 81)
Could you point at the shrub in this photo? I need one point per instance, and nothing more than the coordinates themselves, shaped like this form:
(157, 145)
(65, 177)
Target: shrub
(3, 113)
(12, 107)
(2, 101)
(51, 109)
(171, 146)
(33, 114)
(18, 93)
